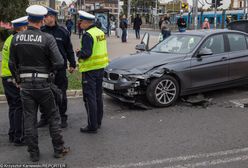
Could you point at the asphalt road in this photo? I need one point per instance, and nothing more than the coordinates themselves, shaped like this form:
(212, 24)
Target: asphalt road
(175, 137)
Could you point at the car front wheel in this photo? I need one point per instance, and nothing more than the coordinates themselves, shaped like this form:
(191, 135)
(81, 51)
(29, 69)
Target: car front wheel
(163, 91)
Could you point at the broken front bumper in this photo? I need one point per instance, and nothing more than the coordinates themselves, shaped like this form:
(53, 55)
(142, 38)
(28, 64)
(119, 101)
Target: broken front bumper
(124, 91)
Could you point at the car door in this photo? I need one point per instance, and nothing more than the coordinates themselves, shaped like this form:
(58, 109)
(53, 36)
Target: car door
(238, 56)
(210, 69)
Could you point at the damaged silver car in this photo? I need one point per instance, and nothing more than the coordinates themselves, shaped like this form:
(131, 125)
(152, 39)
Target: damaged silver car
(182, 64)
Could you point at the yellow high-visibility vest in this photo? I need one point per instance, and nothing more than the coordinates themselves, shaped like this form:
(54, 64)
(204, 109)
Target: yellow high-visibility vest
(5, 57)
(99, 58)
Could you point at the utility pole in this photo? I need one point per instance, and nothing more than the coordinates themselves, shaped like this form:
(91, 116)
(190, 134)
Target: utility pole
(129, 11)
(245, 9)
(118, 20)
(195, 14)
(156, 14)
(52, 4)
(215, 14)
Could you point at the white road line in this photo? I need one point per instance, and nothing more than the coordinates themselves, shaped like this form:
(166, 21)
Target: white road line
(211, 162)
(180, 158)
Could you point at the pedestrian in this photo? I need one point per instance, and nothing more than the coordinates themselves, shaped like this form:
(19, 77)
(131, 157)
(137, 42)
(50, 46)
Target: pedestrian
(33, 56)
(98, 24)
(63, 41)
(165, 32)
(11, 91)
(164, 20)
(160, 22)
(181, 23)
(136, 26)
(93, 58)
(206, 24)
(69, 24)
(123, 26)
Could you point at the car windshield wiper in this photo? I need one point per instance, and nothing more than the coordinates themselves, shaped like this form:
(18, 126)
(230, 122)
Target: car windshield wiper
(160, 51)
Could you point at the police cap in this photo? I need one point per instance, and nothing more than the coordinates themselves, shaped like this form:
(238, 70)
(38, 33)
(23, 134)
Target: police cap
(85, 15)
(51, 11)
(22, 21)
(36, 12)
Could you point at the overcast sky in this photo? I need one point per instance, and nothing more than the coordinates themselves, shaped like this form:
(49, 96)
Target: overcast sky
(225, 2)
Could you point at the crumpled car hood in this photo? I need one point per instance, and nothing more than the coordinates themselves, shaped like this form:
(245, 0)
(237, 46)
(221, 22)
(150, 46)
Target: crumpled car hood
(141, 62)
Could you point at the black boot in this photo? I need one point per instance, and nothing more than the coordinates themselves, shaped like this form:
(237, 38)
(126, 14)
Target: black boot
(35, 157)
(61, 153)
(64, 123)
(88, 130)
(42, 123)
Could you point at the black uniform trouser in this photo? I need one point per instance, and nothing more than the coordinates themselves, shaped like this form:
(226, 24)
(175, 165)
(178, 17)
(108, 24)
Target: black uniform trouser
(12, 94)
(92, 95)
(35, 94)
(62, 82)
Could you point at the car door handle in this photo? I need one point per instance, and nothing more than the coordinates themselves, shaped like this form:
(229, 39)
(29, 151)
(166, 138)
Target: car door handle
(223, 58)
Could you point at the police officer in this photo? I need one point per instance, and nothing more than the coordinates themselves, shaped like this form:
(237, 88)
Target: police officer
(33, 55)
(12, 93)
(63, 40)
(93, 58)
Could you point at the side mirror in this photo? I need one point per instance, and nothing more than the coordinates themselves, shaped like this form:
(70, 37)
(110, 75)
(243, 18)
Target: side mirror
(141, 47)
(204, 51)
(144, 44)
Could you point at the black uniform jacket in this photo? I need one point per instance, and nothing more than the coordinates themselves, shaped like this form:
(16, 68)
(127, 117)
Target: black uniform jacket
(33, 51)
(63, 40)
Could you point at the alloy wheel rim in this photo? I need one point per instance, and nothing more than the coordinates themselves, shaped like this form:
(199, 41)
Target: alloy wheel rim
(165, 91)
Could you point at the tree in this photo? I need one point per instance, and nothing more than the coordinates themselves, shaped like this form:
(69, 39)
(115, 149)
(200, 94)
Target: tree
(12, 9)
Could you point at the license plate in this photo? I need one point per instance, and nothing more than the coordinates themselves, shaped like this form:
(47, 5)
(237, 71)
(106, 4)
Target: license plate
(108, 85)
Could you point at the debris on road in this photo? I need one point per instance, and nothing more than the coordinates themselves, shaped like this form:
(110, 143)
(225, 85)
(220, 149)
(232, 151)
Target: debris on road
(240, 102)
(123, 117)
(197, 100)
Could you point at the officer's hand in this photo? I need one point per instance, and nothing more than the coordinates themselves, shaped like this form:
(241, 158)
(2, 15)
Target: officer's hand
(17, 85)
(71, 69)
(77, 52)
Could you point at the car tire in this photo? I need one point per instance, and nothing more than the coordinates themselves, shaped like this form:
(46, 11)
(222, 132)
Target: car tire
(163, 91)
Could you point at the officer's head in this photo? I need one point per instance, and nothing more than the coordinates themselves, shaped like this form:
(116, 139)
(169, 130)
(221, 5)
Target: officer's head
(20, 24)
(36, 15)
(86, 19)
(50, 17)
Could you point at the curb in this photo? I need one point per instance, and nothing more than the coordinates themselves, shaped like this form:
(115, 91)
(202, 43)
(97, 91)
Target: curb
(70, 94)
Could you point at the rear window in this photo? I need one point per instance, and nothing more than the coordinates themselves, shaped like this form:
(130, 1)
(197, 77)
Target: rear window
(237, 42)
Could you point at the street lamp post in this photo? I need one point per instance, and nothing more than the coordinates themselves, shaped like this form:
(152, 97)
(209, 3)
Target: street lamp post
(245, 9)
(195, 14)
(215, 14)
(128, 11)
(52, 4)
(118, 20)
(156, 14)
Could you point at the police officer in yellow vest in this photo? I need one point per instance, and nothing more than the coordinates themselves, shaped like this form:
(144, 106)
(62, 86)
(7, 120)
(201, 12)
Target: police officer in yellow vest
(93, 58)
(12, 93)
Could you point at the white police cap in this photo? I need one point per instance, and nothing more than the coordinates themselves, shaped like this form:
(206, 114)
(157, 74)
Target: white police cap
(36, 12)
(85, 15)
(22, 21)
(51, 11)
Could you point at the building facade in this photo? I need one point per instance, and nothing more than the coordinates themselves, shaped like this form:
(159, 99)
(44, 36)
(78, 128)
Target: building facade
(45, 3)
(111, 5)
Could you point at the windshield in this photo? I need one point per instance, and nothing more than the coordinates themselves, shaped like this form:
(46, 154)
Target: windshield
(177, 44)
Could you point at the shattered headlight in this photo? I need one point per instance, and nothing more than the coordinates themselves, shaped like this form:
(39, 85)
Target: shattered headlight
(135, 77)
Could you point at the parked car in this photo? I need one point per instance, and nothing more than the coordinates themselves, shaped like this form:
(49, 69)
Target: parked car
(182, 64)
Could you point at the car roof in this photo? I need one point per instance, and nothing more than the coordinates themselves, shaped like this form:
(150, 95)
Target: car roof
(207, 32)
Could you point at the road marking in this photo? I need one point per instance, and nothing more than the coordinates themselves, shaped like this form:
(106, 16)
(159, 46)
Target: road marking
(180, 158)
(211, 162)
